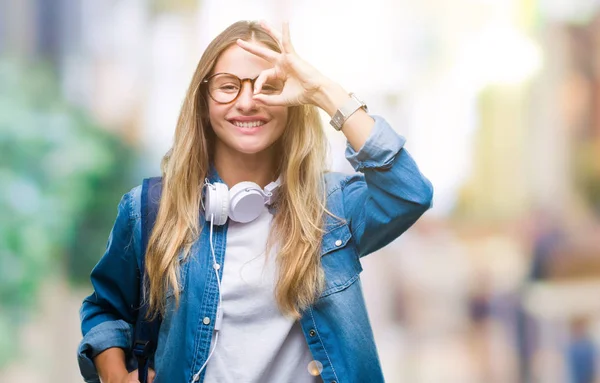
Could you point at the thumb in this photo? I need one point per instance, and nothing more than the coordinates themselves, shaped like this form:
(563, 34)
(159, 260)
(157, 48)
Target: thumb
(133, 377)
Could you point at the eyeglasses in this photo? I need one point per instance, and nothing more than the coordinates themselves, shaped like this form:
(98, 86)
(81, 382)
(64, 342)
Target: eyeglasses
(226, 87)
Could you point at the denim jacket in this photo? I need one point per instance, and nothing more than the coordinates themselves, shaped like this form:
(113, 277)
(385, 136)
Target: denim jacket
(380, 202)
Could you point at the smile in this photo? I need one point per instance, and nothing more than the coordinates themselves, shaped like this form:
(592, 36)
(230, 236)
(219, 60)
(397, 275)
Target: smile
(249, 124)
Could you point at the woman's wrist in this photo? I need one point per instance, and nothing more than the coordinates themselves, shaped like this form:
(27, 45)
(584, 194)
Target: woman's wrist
(330, 97)
(110, 365)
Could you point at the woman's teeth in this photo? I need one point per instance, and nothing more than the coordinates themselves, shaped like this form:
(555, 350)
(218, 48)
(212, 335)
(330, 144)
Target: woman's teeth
(250, 124)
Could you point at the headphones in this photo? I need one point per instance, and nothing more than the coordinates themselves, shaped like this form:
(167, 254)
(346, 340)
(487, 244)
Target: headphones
(243, 203)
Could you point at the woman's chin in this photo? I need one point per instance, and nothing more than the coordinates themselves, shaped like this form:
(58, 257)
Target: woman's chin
(251, 147)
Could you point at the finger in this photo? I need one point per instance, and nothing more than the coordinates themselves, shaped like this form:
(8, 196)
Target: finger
(151, 375)
(273, 33)
(133, 377)
(262, 78)
(286, 40)
(260, 51)
(271, 100)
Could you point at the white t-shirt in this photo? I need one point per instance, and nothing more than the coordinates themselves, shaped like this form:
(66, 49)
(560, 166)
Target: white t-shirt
(256, 344)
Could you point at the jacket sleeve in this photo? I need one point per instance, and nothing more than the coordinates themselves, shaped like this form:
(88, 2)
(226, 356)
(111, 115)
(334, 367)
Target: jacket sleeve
(388, 195)
(108, 314)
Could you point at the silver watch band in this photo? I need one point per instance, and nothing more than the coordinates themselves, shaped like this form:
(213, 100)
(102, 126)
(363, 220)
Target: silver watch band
(347, 110)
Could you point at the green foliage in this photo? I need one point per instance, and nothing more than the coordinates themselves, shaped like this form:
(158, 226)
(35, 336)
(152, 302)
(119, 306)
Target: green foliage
(587, 173)
(61, 177)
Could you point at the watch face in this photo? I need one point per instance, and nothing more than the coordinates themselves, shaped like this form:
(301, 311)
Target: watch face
(346, 110)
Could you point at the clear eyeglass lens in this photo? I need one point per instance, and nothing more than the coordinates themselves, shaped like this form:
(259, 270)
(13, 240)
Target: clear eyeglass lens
(225, 87)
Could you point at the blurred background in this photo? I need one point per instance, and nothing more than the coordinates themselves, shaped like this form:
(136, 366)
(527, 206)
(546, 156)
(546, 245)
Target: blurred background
(500, 104)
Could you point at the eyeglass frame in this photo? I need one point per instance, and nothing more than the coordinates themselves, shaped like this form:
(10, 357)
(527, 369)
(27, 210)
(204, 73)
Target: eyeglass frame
(242, 81)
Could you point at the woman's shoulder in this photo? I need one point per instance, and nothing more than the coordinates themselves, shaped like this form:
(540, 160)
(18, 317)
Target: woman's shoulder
(133, 198)
(132, 201)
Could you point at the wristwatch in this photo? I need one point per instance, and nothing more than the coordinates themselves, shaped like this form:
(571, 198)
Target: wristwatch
(347, 110)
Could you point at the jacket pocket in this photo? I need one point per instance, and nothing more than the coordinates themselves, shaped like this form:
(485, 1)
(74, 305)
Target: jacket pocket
(339, 260)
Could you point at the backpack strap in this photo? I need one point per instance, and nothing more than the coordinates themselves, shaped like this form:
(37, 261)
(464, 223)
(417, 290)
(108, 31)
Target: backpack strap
(146, 332)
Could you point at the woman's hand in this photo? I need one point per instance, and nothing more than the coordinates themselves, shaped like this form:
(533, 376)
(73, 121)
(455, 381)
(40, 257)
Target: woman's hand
(132, 377)
(302, 81)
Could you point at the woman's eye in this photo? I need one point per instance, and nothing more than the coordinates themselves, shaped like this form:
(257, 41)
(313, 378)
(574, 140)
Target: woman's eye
(228, 88)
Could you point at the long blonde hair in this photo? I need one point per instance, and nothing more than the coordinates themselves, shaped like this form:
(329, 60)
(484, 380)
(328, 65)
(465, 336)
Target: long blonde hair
(300, 208)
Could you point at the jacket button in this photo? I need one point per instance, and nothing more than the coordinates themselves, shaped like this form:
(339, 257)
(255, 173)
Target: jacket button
(206, 320)
(315, 368)
(312, 332)
(338, 243)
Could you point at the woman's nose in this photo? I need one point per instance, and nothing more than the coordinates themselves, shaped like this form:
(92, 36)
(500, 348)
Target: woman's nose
(245, 100)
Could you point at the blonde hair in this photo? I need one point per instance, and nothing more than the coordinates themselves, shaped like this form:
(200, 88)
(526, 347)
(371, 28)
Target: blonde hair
(300, 207)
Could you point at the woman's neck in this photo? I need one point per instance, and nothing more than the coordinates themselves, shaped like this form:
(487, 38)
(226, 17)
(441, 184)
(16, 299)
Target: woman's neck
(237, 167)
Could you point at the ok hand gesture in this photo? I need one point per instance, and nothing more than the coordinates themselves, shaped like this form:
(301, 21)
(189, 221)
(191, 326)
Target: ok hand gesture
(301, 81)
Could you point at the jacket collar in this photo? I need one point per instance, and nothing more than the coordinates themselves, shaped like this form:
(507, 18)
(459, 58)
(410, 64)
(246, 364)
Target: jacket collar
(213, 175)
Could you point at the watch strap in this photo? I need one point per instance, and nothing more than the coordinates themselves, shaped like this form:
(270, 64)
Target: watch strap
(346, 110)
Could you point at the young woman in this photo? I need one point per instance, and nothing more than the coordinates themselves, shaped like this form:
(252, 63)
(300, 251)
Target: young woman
(253, 263)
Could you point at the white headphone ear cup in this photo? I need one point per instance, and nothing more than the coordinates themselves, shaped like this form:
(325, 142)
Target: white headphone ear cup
(217, 203)
(246, 202)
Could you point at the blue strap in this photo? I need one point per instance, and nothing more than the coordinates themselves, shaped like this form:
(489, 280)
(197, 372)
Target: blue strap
(146, 332)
